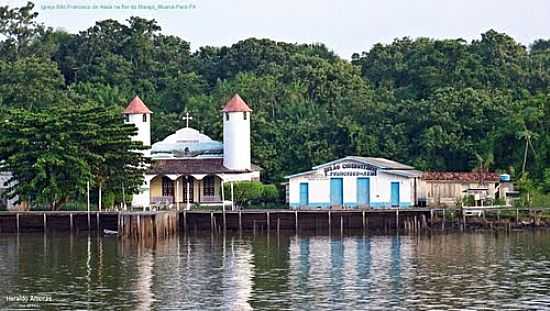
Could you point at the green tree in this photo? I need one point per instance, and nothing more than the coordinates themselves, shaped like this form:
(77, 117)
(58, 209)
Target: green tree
(54, 153)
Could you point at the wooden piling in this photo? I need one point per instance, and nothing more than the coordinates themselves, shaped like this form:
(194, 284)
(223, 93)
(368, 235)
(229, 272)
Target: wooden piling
(212, 221)
(185, 221)
(71, 222)
(517, 215)
(224, 220)
(278, 225)
(364, 224)
(17, 221)
(97, 221)
(341, 224)
(267, 221)
(240, 221)
(397, 220)
(44, 222)
(296, 220)
(443, 222)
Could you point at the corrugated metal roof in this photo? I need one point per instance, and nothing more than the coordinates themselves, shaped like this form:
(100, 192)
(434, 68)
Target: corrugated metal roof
(474, 176)
(381, 163)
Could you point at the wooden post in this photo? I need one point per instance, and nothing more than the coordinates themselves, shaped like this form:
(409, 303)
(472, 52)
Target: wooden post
(17, 221)
(44, 222)
(185, 221)
(397, 220)
(71, 222)
(517, 215)
(138, 225)
(97, 221)
(296, 219)
(329, 219)
(463, 221)
(341, 224)
(443, 222)
(278, 225)
(224, 220)
(240, 221)
(267, 221)
(364, 221)
(212, 221)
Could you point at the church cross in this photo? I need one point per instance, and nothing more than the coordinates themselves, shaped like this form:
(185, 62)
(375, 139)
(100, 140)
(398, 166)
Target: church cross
(187, 118)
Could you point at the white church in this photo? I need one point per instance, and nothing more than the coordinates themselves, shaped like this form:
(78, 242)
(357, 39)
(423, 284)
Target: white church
(188, 167)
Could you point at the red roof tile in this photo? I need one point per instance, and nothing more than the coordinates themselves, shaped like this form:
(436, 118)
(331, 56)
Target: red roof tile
(194, 166)
(136, 106)
(236, 104)
(476, 176)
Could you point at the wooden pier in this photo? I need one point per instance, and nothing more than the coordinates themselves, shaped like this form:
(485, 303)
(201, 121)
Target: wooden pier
(321, 220)
(134, 225)
(163, 224)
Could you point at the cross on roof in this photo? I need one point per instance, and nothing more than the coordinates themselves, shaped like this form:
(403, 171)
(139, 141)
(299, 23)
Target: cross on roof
(187, 118)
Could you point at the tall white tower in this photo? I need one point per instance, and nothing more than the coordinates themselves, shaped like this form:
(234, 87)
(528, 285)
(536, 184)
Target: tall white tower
(138, 114)
(236, 134)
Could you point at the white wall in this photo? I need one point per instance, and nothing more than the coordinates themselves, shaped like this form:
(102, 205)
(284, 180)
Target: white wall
(144, 128)
(380, 189)
(236, 141)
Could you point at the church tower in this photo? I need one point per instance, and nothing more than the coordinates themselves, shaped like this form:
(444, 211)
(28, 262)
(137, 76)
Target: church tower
(139, 115)
(236, 134)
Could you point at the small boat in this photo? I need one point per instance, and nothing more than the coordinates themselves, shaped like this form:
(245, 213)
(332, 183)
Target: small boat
(109, 232)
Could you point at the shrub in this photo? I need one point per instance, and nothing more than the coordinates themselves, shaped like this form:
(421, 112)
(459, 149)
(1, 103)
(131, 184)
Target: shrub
(244, 192)
(270, 194)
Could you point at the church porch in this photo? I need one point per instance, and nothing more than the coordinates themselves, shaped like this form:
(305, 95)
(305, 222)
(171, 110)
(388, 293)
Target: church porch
(174, 191)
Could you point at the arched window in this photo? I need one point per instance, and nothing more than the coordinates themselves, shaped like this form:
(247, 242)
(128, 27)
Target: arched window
(226, 116)
(167, 187)
(209, 185)
(244, 115)
(144, 117)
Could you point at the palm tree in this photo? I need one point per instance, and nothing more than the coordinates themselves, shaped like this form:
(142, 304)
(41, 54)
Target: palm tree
(528, 136)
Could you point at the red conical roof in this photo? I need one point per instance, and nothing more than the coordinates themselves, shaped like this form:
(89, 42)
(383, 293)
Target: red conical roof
(136, 106)
(236, 104)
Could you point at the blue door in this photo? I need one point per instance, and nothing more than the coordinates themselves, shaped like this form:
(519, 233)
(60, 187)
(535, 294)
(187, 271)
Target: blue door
(336, 191)
(363, 194)
(394, 193)
(304, 194)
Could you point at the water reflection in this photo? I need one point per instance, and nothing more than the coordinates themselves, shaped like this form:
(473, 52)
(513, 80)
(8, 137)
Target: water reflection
(285, 272)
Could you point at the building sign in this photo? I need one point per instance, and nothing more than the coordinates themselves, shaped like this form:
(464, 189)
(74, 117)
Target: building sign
(350, 169)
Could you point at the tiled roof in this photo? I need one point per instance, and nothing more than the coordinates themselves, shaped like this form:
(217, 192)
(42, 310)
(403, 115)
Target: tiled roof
(236, 104)
(136, 106)
(194, 166)
(475, 176)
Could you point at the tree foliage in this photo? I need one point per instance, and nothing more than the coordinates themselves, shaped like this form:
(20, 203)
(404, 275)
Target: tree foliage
(437, 104)
(53, 153)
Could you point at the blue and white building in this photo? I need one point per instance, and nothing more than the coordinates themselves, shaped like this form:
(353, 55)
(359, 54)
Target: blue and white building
(353, 182)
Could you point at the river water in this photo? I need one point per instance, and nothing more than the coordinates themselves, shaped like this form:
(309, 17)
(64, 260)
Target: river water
(477, 271)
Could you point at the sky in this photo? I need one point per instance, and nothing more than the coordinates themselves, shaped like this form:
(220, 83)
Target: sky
(345, 26)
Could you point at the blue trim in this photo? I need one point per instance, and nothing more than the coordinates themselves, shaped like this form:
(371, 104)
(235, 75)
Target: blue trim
(337, 191)
(379, 205)
(304, 193)
(395, 193)
(363, 190)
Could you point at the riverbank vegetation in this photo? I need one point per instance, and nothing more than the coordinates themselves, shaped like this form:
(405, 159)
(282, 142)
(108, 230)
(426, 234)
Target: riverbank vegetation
(444, 104)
